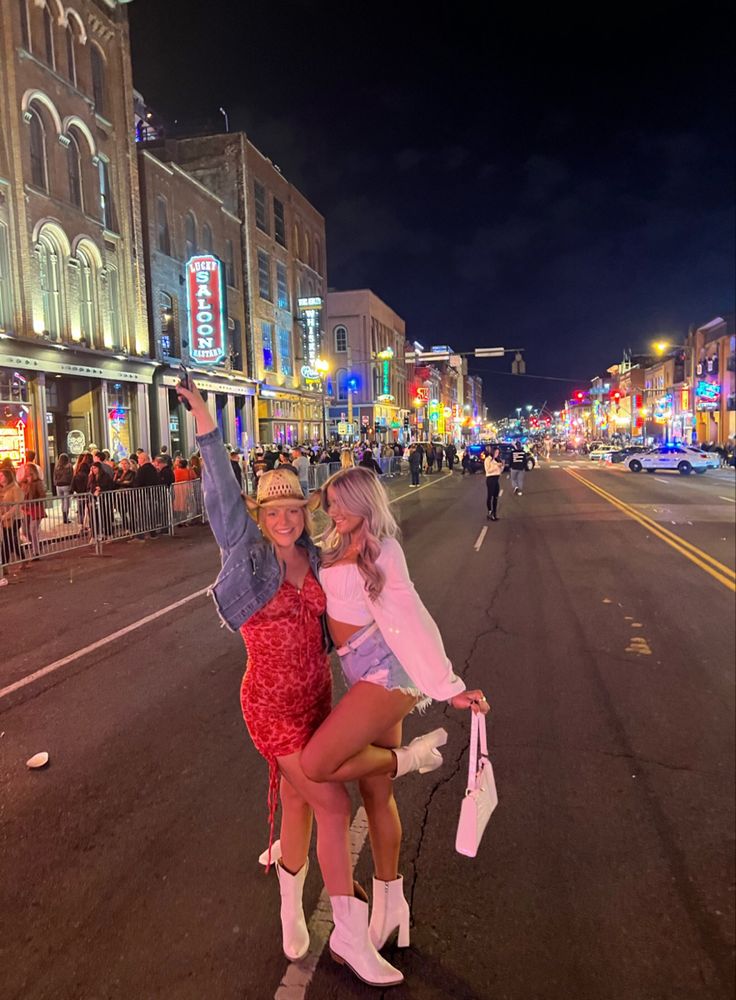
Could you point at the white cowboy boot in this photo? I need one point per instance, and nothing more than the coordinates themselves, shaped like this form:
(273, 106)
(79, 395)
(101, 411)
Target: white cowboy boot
(294, 933)
(422, 754)
(390, 911)
(350, 943)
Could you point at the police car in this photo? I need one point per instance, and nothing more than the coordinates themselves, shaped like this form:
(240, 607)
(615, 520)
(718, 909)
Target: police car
(671, 458)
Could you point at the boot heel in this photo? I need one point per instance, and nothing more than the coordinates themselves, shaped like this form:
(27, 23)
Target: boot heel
(404, 934)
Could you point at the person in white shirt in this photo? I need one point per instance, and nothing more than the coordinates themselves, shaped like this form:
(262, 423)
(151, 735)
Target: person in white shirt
(493, 465)
(393, 659)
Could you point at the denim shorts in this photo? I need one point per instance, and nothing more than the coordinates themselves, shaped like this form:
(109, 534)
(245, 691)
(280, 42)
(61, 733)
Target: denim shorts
(367, 657)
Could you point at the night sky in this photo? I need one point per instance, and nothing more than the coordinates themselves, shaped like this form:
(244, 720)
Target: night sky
(557, 180)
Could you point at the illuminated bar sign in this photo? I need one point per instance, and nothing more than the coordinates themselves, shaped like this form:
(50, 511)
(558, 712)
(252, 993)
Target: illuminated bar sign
(12, 443)
(707, 395)
(207, 309)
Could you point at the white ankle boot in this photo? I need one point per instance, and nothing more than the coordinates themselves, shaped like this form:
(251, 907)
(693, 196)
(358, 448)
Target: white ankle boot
(390, 911)
(422, 754)
(350, 943)
(294, 933)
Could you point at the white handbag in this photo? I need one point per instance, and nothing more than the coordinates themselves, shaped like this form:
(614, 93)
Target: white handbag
(480, 797)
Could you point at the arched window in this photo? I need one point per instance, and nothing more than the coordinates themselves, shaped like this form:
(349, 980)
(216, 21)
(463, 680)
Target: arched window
(25, 27)
(88, 311)
(74, 172)
(317, 256)
(297, 244)
(113, 303)
(50, 279)
(169, 339)
(206, 238)
(39, 174)
(163, 236)
(71, 60)
(97, 61)
(341, 340)
(190, 236)
(342, 383)
(305, 253)
(48, 36)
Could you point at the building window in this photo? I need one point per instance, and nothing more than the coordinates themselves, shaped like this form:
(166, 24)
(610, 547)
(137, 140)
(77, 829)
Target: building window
(341, 340)
(236, 344)
(25, 28)
(264, 275)
(74, 172)
(163, 237)
(317, 256)
(190, 236)
(48, 36)
(107, 209)
(169, 339)
(98, 78)
(87, 298)
(50, 282)
(230, 276)
(342, 384)
(6, 288)
(267, 342)
(282, 287)
(279, 224)
(261, 214)
(305, 254)
(113, 301)
(285, 361)
(206, 246)
(71, 62)
(39, 177)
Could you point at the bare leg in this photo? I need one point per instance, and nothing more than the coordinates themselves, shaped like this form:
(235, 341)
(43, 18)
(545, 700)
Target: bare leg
(331, 806)
(296, 827)
(384, 822)
(342, 748)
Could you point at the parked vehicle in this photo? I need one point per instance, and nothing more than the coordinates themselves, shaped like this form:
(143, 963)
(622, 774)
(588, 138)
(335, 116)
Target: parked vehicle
(623, 454)
(670, 458)
(602, 453)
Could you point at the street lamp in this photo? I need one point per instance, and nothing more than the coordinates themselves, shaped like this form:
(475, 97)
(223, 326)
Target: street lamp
(323, 368)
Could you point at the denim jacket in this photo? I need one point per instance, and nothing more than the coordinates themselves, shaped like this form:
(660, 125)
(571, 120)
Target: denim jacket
(251, 573)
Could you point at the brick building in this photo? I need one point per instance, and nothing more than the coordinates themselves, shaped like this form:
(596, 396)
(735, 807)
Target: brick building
(74, 350)
(182, 218)
(282, 243)
(364, 346)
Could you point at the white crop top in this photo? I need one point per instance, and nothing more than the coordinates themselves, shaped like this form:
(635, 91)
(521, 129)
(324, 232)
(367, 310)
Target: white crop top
(344, 589)
(408, 628)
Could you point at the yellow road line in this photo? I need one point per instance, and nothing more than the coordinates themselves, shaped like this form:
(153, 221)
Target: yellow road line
(723, 574)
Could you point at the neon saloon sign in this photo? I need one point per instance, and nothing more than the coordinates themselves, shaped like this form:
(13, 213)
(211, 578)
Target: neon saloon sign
(207, 309)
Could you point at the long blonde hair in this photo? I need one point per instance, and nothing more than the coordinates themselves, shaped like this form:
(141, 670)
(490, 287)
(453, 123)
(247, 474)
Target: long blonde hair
(360, 494)
(347, 459)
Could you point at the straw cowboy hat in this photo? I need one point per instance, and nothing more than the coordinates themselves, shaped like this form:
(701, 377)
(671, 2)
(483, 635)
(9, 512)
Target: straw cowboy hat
(281, 488)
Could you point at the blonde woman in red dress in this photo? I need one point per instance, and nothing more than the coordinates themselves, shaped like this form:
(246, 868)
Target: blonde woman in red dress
(268, 590)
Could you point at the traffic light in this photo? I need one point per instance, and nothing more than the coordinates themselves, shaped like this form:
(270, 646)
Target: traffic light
(616, 396)
(580, 396)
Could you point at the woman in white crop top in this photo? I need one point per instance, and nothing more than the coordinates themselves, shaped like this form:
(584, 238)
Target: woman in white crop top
(393, 659)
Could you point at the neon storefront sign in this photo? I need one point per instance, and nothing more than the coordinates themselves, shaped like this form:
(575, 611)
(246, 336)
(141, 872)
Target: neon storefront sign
(206, 309)
(707, 395)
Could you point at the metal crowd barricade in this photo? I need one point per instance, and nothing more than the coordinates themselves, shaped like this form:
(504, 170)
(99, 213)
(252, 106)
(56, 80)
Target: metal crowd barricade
(132, 512)
(32, 529)
(187, 503)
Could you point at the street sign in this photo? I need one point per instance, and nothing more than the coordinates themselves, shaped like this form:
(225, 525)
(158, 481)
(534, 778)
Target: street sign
(489, 352)
(364, 421)
(342, 428)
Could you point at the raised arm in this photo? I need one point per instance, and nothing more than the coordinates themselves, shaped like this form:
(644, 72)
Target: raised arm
(226, 511)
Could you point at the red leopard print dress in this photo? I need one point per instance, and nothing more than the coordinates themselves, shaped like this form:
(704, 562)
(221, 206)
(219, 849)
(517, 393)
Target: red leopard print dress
(287, 688)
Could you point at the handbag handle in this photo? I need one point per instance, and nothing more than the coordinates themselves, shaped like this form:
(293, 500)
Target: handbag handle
(478, 736)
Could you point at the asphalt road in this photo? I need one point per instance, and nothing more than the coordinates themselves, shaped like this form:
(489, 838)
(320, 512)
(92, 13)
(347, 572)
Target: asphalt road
(128, 866)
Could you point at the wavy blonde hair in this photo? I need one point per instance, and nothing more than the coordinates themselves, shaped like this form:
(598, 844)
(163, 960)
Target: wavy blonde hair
(359, 493)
